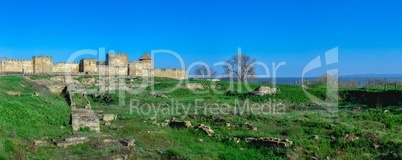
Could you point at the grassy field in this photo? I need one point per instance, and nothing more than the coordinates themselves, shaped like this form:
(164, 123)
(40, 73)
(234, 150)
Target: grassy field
(359, 129)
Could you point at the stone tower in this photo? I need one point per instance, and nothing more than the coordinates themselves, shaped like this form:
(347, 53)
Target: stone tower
(147, 61)
(43, 64)
(114, 59)
(89, 66)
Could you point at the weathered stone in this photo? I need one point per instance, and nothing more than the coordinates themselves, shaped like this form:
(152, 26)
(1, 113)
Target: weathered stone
(107, 123)
(39, 143)
(264, 90)
(206, 129)
(71, 140)
(110, 141)
(11, 93)
(194, 86)
(127, 142)
(270, 142)
(82, 118)
(109, 117)
(315, 137)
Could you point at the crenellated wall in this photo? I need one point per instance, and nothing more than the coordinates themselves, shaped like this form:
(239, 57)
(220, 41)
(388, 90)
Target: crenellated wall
(116, 64)
(170, 73)
(66, 67)
(16, 66)
(113, 59)
(42, 64)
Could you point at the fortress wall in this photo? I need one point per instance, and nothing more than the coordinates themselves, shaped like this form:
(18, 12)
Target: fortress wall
(171, 73)
(113, 70)
(89, 66)
(12, 65)
(66, 68)
(138, 68)
(117, 59)
(42, 64)
(116, 64)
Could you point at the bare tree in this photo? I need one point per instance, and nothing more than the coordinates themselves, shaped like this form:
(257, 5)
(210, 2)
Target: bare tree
(241, 67)
(202, 72)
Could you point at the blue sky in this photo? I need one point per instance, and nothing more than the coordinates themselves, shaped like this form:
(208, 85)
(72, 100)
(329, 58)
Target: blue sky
(368, 33)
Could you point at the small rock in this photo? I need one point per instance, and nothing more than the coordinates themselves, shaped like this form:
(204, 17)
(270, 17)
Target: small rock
(39, 143)
(107, 123)
(110, 141)
(207, 129)
(109, 117)
(315, 137)
(375, 145)
(255, 129)
(11, 93)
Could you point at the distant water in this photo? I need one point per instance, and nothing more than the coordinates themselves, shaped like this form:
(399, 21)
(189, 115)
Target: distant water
(360, 80)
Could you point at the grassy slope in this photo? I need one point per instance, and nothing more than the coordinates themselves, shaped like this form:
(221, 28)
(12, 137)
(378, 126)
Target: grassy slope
(380, 126)
(27, 117)
(375, 126)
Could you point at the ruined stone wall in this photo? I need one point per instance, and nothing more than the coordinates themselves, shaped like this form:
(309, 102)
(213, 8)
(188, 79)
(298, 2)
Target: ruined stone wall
(170, 73)
(117, 59)
(16, 66)
(42, 64)
(89, 66)
(113, 70)
(66, 68)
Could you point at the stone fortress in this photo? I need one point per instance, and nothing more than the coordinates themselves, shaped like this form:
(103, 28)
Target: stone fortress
(115, 64)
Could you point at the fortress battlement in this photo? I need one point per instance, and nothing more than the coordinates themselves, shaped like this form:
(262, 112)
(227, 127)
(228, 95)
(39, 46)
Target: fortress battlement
(118, 54)
(42, 57)
(17, 60)
(67, 63)
(115, 64)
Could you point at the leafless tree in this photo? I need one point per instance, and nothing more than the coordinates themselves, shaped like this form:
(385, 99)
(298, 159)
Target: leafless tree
(202, 72)
(241, 67)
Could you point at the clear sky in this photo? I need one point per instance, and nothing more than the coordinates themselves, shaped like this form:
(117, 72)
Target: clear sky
(368, 33)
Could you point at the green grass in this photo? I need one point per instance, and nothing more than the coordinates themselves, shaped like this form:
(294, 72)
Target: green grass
(378, 129)
(28, 117)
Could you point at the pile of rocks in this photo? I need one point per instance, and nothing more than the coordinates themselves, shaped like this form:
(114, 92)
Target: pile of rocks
(71, 140)
(270, 142)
